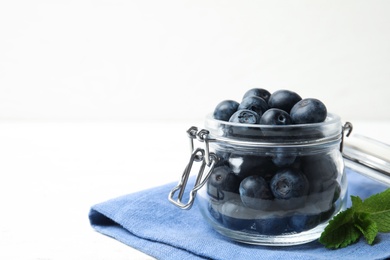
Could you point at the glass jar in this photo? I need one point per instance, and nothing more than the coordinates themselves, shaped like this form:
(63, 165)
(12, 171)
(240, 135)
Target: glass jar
(267, 185)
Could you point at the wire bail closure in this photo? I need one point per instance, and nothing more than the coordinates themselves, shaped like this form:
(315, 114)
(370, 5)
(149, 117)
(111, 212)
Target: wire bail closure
(207, 160)
(347, 127)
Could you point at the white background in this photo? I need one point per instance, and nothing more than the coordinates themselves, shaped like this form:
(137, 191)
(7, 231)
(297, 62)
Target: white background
(168, 60)
(95, 96)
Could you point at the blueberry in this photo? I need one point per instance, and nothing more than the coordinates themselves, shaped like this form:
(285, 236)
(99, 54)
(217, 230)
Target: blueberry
(245, 116)
(302, 222)
(308, 111)
(255, 193)
(282, 157)
(289, 183)
(254, 103)
(320, 168)
(275, 116)
(244, 165)
(259, 92)
(223, 184)
(283, 99)
(326, 199)
(225, 109)
(273, 225)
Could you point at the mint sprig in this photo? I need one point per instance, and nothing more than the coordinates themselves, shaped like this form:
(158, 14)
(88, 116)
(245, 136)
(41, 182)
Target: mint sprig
(364, 218)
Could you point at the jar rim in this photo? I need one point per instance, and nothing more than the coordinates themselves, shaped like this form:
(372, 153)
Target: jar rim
(255, 134)
(330, 119)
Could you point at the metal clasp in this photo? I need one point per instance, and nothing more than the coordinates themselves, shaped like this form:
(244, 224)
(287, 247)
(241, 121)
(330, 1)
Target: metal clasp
(348, 129)
(207, 160)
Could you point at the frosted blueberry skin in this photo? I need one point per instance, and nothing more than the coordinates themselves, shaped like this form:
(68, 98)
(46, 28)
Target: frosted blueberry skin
(255, 192)
(225, 109)
(308, 111)
(289, 183)
(254, 103)
(283, 99)
(259, 92)
(245, 116)
(275, 116)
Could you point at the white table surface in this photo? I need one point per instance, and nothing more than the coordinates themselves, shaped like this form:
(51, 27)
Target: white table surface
(53, 172)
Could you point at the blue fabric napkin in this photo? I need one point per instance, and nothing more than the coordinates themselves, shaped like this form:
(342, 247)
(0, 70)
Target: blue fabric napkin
(147, 221)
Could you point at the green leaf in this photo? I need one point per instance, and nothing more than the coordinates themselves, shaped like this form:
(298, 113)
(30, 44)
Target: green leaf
(365, 218)
(340, 231)
(357, 203)
(367, 226)
(378, 206)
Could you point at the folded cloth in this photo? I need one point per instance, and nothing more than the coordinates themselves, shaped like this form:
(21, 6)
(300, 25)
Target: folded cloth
(147, 221)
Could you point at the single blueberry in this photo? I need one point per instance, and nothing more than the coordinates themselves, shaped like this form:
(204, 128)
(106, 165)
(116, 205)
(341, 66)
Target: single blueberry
(275, 116)
(225, 109)
(320, 168)
(308, 111)
(245, 116)
(325, 199)
(254, 103)
(283, 157)
(259, 92)
(223, 184)
(283, 99)
(289, 183)
(255, 193)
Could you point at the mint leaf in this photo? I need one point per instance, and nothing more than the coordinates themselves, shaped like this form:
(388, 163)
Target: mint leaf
(357, 203)
(365, 218)
(367, 226)
(378, 206)
(341, 231)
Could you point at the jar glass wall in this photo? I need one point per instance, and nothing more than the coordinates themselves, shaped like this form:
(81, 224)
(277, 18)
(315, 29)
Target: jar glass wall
(274, 185)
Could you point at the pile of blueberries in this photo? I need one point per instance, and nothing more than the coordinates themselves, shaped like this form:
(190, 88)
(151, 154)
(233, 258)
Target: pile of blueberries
(277, 192)
(282, 107)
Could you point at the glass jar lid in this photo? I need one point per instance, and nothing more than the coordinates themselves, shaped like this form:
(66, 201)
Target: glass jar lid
(367, 156)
